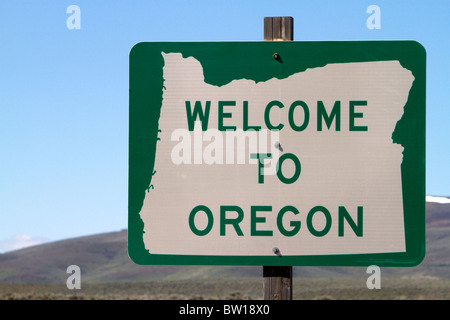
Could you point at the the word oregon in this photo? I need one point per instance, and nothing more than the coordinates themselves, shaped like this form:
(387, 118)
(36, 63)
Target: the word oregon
(231, 217)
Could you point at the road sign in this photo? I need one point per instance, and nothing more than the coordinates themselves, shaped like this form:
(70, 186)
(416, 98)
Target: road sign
(277, 153)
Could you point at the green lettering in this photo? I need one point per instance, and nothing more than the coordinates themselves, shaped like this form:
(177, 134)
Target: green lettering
(197, 113)
(335, 113)
(294, 224)
(297, 164)
(305, 113)
(356, 227)
(255, 219)
(233, 221)
(309, 223)
(267, 115)
(246, 126)
(209, 215)
(223, 114)
(261, 157)
(354, 115)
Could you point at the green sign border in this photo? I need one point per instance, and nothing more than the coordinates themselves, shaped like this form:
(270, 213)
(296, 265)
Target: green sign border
(223, 62)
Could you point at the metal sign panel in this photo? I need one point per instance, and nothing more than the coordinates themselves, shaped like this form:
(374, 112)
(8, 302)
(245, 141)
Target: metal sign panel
(277, 153)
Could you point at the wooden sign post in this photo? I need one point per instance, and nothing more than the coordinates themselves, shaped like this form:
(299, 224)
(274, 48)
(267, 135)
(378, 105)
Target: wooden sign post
(278, 279)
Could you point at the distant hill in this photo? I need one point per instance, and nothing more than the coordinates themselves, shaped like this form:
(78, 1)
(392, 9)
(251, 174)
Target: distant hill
(104, 258)
(437, 215)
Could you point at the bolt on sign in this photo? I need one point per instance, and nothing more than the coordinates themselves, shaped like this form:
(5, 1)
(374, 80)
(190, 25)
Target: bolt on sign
(277, 153)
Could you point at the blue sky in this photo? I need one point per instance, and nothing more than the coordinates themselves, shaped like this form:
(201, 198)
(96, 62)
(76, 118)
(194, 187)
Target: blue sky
(64, 94)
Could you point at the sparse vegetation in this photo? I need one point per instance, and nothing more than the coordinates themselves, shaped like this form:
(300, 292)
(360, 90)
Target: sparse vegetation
(233, 289)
